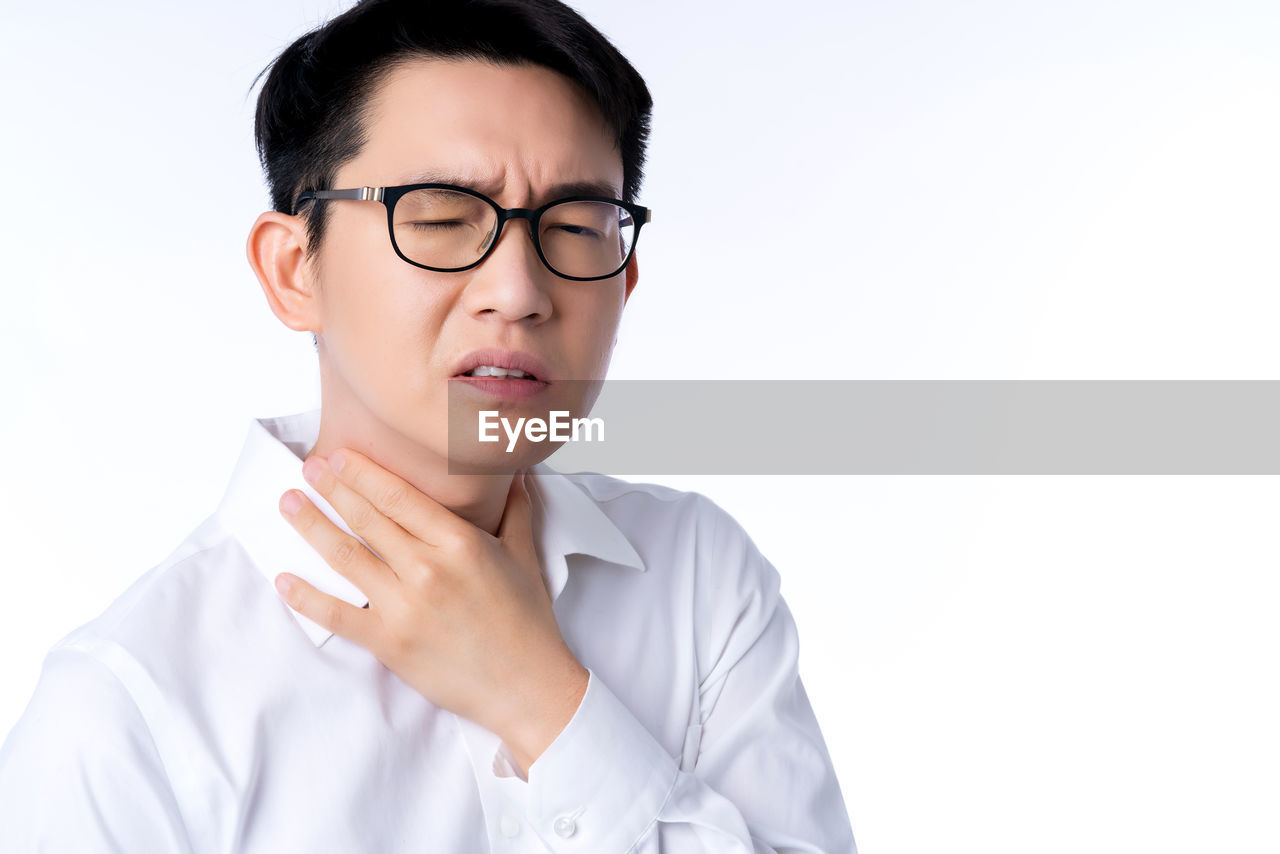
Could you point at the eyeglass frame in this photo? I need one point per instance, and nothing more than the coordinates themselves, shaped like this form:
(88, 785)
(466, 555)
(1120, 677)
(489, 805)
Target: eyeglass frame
(389, 196)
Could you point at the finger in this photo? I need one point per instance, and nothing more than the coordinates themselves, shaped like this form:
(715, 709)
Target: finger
(392, 543)
(339, 549)
(398, 500)
(516, 527)
(329, 612)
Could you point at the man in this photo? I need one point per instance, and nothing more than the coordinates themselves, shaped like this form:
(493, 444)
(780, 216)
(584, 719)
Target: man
(447, 662)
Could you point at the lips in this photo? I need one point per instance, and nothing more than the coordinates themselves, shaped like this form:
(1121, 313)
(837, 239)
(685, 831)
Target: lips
(518, 360)
(504, 389)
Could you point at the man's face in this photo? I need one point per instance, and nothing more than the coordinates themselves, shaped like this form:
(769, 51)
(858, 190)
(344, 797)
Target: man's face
(391, 334)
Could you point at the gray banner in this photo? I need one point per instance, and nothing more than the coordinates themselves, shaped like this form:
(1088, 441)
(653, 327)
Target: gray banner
(881, 427)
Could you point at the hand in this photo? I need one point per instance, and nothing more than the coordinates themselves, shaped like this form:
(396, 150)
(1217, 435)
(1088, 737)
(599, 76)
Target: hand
(462, 616)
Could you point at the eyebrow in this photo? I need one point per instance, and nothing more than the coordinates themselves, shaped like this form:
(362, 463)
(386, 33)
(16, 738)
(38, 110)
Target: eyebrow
(491, 188)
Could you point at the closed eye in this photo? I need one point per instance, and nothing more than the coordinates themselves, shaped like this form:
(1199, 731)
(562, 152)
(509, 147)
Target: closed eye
(429, 226)
(579, 230)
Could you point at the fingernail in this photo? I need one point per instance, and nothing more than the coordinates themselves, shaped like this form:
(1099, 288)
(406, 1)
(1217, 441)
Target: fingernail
(283, 584)
(311, 469)
(290, 503)
(336, 461)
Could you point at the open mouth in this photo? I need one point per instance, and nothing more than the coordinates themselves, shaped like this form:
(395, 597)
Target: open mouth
(509, 384)
(491, 372)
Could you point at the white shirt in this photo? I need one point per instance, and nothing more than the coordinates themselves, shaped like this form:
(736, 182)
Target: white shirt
(199, 713)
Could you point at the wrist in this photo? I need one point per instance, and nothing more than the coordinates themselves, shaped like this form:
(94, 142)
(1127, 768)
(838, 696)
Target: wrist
(552, 704)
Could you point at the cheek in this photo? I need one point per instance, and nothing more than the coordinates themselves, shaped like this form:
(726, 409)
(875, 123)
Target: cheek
(594, 318)
(382, 323)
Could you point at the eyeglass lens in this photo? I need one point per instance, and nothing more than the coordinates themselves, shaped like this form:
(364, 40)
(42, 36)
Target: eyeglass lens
(448, 229)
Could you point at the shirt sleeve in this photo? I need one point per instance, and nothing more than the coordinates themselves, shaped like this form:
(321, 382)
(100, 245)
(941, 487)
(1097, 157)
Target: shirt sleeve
(80, 771)
(763, 780)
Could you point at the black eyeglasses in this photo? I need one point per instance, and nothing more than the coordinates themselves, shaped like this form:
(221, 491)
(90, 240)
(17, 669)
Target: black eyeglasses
(448, 229)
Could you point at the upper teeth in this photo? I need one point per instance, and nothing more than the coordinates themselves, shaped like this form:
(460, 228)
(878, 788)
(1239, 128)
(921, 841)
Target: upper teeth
(491, 371)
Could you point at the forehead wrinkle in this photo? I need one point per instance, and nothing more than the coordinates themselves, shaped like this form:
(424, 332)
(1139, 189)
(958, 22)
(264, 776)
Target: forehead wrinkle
(494, 187)
(479, 179)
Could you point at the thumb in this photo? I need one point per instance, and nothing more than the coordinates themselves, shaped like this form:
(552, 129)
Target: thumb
(516, 527)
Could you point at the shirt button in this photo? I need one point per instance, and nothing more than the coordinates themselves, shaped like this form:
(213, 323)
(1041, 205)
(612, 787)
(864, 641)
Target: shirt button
(510, 825)
(565, 827)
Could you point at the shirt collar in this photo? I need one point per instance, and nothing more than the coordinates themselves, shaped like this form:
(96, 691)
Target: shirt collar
(566, 520)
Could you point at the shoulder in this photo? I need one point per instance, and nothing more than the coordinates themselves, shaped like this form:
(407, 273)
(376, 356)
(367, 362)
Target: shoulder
(109, 693)
(171, 629)
(153, 602)
(84, 678)
(78, 706)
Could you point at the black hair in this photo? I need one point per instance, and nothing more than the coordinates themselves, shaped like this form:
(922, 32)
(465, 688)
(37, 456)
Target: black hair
(314, 106)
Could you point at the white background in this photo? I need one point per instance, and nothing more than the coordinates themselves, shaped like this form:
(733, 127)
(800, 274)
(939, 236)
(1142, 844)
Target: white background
(869, 190)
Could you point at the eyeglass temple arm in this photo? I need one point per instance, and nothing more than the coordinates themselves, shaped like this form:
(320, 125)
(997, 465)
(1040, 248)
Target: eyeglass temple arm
(359, 193)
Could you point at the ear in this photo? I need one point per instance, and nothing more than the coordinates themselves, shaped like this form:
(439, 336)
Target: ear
(276, 250)
(633, 276)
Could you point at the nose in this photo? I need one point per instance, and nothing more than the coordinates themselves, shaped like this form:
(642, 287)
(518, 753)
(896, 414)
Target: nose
(512, 282)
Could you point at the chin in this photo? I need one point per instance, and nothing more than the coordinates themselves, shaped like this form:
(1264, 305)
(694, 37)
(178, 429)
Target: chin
(494, 459)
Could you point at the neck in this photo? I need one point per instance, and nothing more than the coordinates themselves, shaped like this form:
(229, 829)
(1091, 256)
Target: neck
(480, 499)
